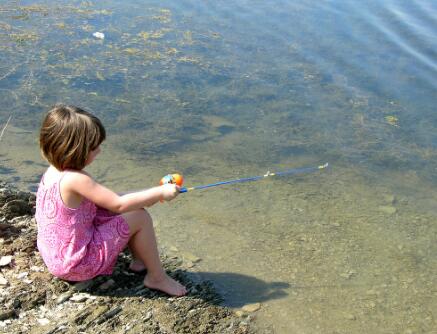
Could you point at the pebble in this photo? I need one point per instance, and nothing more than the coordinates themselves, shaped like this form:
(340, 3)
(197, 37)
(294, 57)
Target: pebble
(388, 209)
(79, 297)
(37, 269)
(239, 313)
(174, 249)
(82, 286)
(372, 292)
(107, 284)
(191, 257)
(148, 316)
(189, 264)
(43, 321)
(5, 315)
(22, 275)
(389, 198)
(350, 316)
(251, 307)
(64, 297)
(5, 323)
(3, 281)
(5, 260)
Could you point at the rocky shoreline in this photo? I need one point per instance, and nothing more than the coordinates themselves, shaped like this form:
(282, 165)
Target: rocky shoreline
(33, 301)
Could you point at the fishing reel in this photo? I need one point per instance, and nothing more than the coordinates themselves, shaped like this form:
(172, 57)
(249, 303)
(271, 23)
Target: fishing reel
(172, 179)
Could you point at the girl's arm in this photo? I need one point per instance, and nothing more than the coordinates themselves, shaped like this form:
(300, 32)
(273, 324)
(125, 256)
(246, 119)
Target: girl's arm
(82, 184)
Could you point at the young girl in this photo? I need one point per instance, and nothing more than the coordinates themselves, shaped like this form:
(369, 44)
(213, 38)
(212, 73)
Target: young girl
(83, 226)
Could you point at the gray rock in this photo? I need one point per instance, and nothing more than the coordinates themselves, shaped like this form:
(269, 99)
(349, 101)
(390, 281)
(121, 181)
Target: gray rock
(7, 314)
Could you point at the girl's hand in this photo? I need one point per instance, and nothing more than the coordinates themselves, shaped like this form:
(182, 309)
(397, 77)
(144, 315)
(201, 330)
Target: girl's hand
(169, 191)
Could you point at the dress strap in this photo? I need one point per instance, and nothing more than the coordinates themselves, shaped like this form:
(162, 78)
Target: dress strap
(62, 175)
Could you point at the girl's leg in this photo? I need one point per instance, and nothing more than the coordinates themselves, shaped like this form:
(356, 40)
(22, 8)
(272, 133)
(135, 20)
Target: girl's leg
(143, 246)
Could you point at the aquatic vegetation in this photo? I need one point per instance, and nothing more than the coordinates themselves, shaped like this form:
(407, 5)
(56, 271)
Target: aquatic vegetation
(392, 120)
(153, 55)
(100, 76)
(145, 35)
(186, 59)
(60, 25)
(188, 37)
(172, 51)
(87, 12)
(24, 12)
(132, 51)
(23, 37)
(119, 100)
(164, 16)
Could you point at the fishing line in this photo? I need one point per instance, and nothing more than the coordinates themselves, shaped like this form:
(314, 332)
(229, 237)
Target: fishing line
(294, 171)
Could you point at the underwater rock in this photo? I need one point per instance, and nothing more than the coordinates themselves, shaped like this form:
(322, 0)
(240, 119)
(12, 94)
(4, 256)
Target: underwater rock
(387, 209)
(389, 198)
(251, 307)
(220, 124)
(191, 257)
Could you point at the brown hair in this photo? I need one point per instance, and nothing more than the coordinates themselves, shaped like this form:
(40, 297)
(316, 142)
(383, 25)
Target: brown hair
(68, 134)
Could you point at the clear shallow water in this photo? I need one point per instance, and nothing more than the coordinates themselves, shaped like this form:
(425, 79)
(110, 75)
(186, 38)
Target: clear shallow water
(219, 90)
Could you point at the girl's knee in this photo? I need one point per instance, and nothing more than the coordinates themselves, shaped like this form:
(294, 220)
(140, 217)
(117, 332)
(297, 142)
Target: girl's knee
(137, 219)
(144, 216)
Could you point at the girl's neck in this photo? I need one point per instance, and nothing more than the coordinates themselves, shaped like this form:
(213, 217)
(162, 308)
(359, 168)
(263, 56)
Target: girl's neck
(53, 169)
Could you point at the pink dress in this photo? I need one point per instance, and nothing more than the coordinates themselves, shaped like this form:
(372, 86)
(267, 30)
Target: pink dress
(77, 244)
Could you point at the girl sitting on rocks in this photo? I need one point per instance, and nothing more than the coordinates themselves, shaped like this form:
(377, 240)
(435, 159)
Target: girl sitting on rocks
(82, 225)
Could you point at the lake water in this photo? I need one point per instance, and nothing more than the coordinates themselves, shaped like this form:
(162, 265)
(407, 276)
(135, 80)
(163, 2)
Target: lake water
(218, 90)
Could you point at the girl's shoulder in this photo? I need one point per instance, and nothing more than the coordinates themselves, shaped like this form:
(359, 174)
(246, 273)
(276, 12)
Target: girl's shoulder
(71, 184)
(52, 175)
(73, 177)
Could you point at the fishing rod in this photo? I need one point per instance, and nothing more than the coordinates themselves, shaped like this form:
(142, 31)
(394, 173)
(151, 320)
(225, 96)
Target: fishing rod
(178, 179)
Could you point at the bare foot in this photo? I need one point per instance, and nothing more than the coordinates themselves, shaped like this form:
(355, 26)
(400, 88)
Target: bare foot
(165, 284)
(137, 266)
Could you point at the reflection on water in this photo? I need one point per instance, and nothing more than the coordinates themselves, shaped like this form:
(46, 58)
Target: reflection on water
(219, 90)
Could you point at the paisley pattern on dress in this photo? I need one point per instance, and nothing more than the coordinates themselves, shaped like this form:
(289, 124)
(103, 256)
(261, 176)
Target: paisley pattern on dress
(50, 206)
(77, 244)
